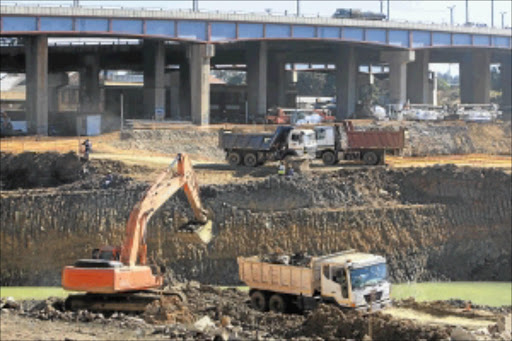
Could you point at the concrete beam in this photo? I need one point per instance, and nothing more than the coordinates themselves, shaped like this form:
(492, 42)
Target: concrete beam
(36, 69)
(90, 99)
(256, 59)
(154, 79)
(418, 80)
(475, 77)
(346, 79)
(199, 56)
(397, 61)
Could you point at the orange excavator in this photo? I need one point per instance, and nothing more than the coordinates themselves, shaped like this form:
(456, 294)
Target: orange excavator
(119, 278)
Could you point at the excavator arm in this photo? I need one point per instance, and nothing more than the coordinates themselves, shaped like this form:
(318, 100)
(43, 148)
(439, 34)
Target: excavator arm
(166, 185)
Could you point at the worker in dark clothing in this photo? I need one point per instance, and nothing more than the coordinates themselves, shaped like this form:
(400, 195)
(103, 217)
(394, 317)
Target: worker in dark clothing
(88, 148)
(107, 181)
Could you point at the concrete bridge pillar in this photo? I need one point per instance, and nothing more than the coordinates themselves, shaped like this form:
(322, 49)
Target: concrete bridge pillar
(199, 58)
(506, 82)
(154, 79)
(277, 81)
(184, 91)
(256, 59)
(475, 77)
(36, 69)
(55, 82)
(173, 80)
(418, 88)
(397, 61)
(346, 79)
(90, 99)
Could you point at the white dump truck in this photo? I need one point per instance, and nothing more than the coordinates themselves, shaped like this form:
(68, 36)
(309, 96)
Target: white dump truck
(349, 279)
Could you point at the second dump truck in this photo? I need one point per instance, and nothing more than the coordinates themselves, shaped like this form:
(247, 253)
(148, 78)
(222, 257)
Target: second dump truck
(343, 142)
(349, 279)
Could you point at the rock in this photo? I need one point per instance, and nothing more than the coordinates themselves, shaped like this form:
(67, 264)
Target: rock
(10, 303)
(459, 334)
(204, 323)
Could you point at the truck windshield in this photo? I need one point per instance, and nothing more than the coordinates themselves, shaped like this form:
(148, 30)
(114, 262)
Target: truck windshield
(369, 275)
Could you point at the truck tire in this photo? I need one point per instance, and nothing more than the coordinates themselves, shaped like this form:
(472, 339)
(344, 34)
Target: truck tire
(277, 303)
(250, 160)
(259, 301)
(329, 158)
(234, 159)
(370, 158)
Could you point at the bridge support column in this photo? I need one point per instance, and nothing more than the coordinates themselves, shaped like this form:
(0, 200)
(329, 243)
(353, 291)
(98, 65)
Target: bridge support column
(184, 91)
(154, 79)
(346, 78)
(277, 82)
(174, 95)
(199, 57)
(475, 77)
(418, 88)
(506, 82)
(36, 69)
(256, 59)
(397, 61)
(90, 101)
(55, 82)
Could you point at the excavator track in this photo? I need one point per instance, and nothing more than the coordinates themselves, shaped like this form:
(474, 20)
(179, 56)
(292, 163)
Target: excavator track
(134, 302)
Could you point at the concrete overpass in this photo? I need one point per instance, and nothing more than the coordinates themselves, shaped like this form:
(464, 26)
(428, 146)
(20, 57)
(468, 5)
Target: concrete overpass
(263, 43)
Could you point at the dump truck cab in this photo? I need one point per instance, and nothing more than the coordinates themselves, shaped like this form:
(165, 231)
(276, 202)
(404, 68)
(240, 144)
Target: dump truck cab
(302, 141)
(354, 280)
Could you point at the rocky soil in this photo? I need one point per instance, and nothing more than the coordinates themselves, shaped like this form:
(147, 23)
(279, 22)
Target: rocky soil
(215, 314)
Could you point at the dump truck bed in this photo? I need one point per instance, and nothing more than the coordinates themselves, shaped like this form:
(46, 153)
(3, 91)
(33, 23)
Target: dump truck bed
(229, 140)
(376, 139)
(286, 279)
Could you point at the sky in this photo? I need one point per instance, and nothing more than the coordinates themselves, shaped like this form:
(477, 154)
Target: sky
(411, 10)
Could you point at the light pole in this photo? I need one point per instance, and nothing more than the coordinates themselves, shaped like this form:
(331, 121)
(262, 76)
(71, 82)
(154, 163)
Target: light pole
(388, 10)
(492, 13)
(381, 6)
(503, 19)
(467, 11)
(451, 14)
(195, 5)
(298, 8)
(76, 3)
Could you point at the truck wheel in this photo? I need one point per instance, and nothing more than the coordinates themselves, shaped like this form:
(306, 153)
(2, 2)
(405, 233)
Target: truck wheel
(370, 158)
(277, 304)
(259, 301)
(234, 159)
(250, 160)
(329, 158)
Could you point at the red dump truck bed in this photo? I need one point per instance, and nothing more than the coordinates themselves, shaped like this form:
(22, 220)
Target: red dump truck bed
(378, 139)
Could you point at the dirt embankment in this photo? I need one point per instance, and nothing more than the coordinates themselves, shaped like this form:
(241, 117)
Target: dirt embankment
(431, 223)
(422, 139)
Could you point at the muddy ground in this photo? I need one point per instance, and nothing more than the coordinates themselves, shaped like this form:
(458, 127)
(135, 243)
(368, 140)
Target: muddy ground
(212, 313)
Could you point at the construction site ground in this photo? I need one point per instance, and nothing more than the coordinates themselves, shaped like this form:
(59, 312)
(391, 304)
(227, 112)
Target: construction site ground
(453, 168)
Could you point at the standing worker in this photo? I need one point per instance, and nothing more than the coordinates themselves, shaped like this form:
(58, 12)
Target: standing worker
(282, 169)
(88, 148)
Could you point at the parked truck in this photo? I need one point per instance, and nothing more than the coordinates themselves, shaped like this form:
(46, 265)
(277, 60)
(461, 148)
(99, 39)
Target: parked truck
(349, 279)
(352, 13)
(253, 149)
(342, 142)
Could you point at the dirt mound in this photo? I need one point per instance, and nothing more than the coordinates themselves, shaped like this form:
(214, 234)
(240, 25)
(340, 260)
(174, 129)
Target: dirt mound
(202, 144)
(33, 170)
(328, 322)
(168, 309)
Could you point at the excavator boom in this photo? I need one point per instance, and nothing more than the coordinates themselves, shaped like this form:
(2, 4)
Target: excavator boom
(131, 273)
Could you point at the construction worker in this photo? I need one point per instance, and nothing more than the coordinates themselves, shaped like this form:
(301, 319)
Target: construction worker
(88, 148)
(282, 169)
(289, 171)
(107, 181)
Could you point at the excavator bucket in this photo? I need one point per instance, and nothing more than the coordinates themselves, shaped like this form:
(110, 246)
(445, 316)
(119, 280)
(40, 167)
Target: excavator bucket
(195, 232)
